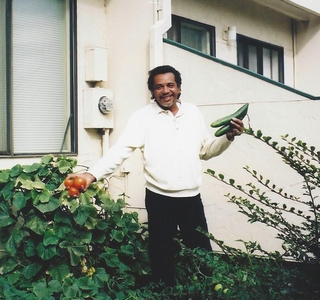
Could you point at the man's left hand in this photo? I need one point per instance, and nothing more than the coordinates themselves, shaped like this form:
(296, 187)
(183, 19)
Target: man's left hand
(236, 129)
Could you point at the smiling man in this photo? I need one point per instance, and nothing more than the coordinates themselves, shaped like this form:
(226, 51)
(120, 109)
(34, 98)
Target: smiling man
(173, 139)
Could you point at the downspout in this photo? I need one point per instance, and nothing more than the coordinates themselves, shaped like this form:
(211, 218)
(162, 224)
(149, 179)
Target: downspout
(162, 12)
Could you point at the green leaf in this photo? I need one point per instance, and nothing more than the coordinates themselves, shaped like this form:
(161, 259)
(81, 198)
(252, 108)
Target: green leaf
(30, 248)
(117, 235)
(86, 283)
(52, 205)
(38, 184)
(101, 276)
(62, 216)
(54, 286)
(41, 290)
(50, 238)
(36, 224)
(8, 191)
(19, 200)
(112, 260)
(15, 171)
(75, 252)
(31, 168)
(31, 270)
(13, 277)
(83, 212)
(25, 181)
(46, 252)
(5, 219)
(127, 249)
(47, 159)
(9, 266)
(221, 176)
(59, 272)
(70, 288)
(4, 176)
(64, 166)
(45, 196)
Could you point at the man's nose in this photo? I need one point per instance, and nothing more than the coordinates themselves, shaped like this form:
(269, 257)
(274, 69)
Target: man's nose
(165, 89)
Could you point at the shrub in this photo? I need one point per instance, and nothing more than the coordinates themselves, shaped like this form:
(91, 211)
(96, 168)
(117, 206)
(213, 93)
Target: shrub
(275, 208)
(77, 248)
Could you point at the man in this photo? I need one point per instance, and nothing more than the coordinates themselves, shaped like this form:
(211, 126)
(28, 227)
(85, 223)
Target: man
(172, 137)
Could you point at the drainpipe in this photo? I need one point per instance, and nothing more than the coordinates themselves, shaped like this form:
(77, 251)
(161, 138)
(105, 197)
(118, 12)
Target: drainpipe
(162, 11)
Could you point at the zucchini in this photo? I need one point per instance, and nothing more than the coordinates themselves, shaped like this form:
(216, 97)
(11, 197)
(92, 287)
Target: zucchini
(239, 114)
(223, 130)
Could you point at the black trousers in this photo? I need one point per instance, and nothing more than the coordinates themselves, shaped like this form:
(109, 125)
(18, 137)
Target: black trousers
(165, 214)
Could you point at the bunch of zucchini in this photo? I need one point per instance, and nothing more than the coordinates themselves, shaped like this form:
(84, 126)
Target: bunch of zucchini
(224, 123)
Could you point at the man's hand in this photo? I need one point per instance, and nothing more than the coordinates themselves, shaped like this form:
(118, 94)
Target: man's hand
(236, 129)
(89, 178)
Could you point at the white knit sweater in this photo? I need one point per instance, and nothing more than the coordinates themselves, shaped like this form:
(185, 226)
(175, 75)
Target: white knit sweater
(171, 147)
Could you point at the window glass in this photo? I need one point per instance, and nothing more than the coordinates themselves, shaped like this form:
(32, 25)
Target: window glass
(195, 37)
(3, 111)
(260, 57)
(253, 64)
(274, 65)
(39, 82)
(39, 75)
(193, 34)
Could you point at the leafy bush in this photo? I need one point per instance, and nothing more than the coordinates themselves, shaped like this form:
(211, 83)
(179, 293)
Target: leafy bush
(55, 247)
(72, 247)
(295, 218)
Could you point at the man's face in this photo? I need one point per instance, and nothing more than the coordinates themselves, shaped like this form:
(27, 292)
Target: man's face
(166, 91)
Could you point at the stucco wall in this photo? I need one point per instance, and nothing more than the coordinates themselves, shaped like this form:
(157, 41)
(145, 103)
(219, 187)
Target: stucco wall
(250, 19)
(307, 60)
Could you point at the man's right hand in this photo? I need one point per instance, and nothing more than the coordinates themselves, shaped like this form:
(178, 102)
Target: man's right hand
(89, 178)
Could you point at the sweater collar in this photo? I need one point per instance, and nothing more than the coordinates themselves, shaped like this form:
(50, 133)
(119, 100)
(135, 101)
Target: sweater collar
(160, 110)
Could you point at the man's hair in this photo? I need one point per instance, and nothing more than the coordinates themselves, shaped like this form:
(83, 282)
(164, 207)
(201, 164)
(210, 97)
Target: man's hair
(163, 70)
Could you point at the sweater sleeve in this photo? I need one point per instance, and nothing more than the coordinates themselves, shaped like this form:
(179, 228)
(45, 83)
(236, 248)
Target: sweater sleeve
(214, 147)
(131, 138)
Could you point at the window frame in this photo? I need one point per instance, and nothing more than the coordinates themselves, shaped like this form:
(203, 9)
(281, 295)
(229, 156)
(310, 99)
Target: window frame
(176, 31)
(71, 100)
(246, 42)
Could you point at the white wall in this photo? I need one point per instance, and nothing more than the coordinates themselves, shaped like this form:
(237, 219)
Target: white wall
(250, 19)
(307, 57)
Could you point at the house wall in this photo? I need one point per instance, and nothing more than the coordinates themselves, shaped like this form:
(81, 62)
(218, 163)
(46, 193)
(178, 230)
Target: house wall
(218, 91)
(250, 19)
(122, 26)
(307, 62)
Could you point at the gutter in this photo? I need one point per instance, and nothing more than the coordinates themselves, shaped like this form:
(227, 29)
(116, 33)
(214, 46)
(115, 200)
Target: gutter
(162, 9)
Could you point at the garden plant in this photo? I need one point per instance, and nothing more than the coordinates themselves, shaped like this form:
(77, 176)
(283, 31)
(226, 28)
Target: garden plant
(55, 246)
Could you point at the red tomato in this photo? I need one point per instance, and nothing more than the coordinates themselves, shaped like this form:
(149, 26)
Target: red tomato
(80, 183)
(68, 182)
(73, 192)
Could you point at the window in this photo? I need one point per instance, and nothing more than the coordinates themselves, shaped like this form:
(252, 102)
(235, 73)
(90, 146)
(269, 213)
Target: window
(37, 76)
(262, 58)
(193, 34)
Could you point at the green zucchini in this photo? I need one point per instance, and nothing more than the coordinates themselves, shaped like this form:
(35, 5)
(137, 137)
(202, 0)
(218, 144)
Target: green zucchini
(223, 130)
(239, 114)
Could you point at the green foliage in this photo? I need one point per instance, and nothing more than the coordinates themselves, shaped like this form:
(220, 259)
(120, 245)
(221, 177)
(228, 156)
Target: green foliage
(55, 247)
(295, 218)
(76, 248)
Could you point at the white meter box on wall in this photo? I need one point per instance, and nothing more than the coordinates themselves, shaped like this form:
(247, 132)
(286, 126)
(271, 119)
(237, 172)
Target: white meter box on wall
(98, 106)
